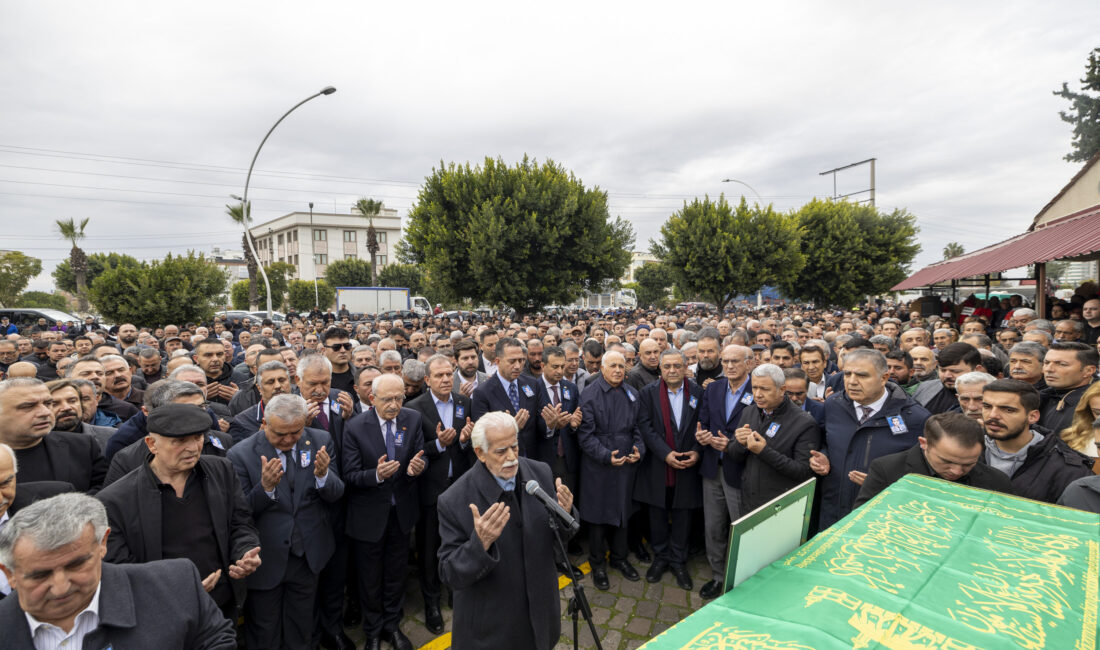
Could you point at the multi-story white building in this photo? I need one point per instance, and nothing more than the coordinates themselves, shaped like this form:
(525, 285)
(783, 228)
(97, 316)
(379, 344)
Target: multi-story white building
(311, 245)
(638, 259)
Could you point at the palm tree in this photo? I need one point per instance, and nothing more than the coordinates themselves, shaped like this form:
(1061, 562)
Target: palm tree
(954, 249)
(242, 217)
(370, 209)
(77, 259)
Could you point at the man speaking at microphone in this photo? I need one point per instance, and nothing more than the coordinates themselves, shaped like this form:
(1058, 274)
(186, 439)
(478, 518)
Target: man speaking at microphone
(497, 548)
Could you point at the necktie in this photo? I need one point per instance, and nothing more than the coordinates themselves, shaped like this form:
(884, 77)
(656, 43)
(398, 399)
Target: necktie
(866, 413)
(513, 395)
(289, 469)
(555, 401)
(391, 450)
(322, 419)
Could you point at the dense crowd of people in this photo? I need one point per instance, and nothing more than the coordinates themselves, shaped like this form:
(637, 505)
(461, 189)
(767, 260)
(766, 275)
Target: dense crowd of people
(308, 468)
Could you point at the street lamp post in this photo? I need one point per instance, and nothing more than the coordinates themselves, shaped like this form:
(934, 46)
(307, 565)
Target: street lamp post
(327, 90)
(316, 300)
(734, 180)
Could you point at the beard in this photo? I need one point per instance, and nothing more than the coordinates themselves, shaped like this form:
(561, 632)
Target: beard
(67, 421)
(707, 364)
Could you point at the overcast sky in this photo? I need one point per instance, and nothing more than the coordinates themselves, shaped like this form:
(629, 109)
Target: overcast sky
(143, 116)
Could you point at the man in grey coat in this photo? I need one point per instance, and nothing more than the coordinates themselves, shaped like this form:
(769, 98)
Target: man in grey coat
(497, 549)
(108, 605)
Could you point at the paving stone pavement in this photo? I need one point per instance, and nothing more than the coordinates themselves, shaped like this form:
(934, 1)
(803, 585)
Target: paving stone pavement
(626, 616)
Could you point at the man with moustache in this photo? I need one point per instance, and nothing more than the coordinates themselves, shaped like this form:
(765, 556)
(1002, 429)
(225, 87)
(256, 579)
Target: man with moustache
(968, 389)
(924, 363)
(127, 335)
(118, 382)
(708, 348)
(1038, 462)
(1025, 363)
(272, 379)
(249, 393)
(26, 425)
(110, 411)
(938, 395)
(68, 410)
(466, 376)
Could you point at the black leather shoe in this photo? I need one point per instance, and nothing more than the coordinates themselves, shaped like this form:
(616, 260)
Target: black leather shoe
(683, 580)
(338, 642)
(599, 578)
(656, 570)
(399, 641)
(712, 589)
(373, 644)
(433, 619)
(642, 554)
(353, 615)
(628, 571)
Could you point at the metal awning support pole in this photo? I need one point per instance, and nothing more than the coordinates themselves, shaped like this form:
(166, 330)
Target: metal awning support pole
(1041, 289)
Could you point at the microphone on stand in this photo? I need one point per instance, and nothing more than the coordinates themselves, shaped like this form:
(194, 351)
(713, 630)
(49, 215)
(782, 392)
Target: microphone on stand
(551, 504)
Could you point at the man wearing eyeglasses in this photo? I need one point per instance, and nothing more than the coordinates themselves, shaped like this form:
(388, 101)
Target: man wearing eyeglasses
(950, 449)
(338, 351)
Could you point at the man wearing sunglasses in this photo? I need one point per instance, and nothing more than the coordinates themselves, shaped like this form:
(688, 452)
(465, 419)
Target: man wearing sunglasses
(338, 351)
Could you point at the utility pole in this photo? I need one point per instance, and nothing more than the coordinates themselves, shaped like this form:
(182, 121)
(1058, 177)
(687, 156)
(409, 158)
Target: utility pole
(870, 191)
(315, 298)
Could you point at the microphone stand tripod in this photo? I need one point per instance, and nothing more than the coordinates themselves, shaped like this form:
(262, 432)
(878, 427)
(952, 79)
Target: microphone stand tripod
(578, 604)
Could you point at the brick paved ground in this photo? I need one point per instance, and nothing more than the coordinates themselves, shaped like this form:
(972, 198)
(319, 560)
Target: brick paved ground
(627, 615)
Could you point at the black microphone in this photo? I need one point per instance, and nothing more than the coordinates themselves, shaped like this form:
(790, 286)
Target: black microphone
(551, 504)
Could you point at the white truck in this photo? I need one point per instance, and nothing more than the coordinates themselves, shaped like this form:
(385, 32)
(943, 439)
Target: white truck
(375, 300)
(611, 300)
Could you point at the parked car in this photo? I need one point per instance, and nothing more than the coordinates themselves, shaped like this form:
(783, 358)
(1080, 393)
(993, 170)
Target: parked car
(25, 318)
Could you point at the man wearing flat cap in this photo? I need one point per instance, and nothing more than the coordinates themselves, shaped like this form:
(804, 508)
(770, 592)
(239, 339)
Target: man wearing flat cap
(180, 503)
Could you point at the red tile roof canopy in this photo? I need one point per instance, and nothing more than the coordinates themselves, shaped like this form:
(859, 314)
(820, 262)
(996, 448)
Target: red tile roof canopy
(1074, 235)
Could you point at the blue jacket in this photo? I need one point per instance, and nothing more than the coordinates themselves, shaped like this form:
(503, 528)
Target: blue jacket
(712, 415)
(852, 446)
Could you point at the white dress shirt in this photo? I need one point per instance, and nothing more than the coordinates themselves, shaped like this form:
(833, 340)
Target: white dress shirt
(5, 588)
(875, 406)
(290, 457)
(51, 637)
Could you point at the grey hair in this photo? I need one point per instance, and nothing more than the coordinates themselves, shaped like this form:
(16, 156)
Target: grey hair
(1029, 349)
(167, 391)
(182, 370)
(570, 346)
(688, 347)
(52, 523)
(494, 419)
(1042, 324)
(389, 355)
(113, 357)
(974, 379)
(287, 407)
(271, 365)
(1026, 312)
(414, 370)
(182, 352)
(11, 455)
(671, 352)
(629, 347)
(147, 352)
(1077, 325)
(882, 339)
(1045, 334)
(820, 344)
(771, 371)
(863, 354)
(19, 382)
(314, 362)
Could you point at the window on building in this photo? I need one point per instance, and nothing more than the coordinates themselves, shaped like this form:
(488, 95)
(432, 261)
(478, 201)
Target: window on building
(349, 235)
(320, 258)
(293, 235)
(381, 260)
(280, 239)
(320, 235)
(295, 260)
(381, 237)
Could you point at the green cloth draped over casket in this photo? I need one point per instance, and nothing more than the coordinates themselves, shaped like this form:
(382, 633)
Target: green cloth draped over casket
(925, 564)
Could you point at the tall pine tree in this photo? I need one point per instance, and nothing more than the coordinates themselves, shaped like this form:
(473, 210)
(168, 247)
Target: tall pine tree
(1084, 112)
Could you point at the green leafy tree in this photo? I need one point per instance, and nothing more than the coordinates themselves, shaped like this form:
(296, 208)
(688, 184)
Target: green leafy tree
(243, 218)
(652, 282)
(176, 289)
(1084, 111)
(525, 236)
(43, 300)
(851, 251)
(301, 298)
(953, 249)
(402, 275)
(65, 279)
(16, 272)
(349, 273)
(240, 292)
(715, 251)
(78, 261)
(369, 209)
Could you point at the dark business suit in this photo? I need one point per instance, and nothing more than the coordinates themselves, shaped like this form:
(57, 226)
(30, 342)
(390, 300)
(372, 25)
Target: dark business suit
(295, 533)
(455, 459)
(134, 512)
(380, 515)
(517, 573)
(492, 396)
(28, 493)
(74, 458)
(158, 605)
(670, 506)
(567, 466)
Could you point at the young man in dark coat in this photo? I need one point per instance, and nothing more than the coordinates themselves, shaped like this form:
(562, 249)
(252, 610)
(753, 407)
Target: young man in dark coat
(497, 550)
(950, 448)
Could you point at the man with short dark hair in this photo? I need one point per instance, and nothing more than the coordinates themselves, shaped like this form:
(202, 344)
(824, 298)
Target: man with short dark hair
(1039, 463)
(337, 349)
(950, 449)
(209, 354)
(938, 395)
(1068, 368)
(509, 391)
(708, 348)
(900, 364)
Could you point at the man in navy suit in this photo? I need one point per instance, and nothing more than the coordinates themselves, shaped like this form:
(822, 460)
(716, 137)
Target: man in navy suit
(559, 418)
(718, 414)
(796, 385)
(509, 391)
(272, 378)
(668, 477)
(446, 426)
(287, 474)
(383, 455)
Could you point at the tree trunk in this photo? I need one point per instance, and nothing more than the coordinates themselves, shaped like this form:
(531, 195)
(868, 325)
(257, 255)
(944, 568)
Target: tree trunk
(79, 262)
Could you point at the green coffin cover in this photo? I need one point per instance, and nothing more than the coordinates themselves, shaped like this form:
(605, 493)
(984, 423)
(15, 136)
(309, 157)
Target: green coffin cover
(925, 564)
